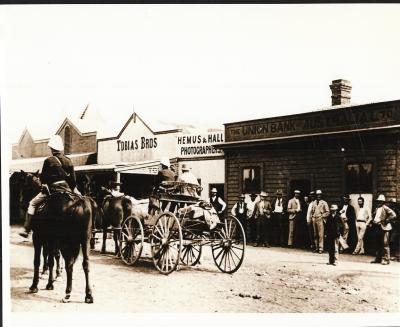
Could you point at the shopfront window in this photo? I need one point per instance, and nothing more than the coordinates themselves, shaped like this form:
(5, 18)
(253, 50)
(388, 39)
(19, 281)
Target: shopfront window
(251, 181)
(359, 178)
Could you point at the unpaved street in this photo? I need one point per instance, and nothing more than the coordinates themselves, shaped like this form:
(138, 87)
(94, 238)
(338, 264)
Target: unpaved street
(270, 280)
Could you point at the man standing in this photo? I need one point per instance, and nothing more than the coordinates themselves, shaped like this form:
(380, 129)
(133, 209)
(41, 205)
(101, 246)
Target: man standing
(277, 219)
(383, 215)
(332, 227)
(294, 209)
(262, 216)
(218, 204)
(310, 202)
(363, 220)
(239, 210)
(320, 211)
(348, 216)
(251, 204)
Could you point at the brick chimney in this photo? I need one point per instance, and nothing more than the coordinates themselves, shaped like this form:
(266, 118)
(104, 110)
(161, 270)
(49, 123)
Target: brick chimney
(341, 90)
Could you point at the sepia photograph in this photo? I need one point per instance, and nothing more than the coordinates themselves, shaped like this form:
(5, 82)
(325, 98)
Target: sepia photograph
(189, 164)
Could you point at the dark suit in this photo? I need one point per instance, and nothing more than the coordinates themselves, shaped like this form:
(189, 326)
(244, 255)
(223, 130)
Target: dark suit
(279, 223)
(332, 230)
(58, 168)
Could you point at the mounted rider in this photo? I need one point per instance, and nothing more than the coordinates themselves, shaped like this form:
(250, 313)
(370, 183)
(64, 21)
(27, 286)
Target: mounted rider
(58, 175)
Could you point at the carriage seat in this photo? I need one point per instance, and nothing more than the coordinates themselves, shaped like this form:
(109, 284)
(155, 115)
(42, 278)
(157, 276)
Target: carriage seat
(201, 211)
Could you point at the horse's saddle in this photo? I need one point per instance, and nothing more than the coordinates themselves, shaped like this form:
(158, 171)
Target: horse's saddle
(43, 208)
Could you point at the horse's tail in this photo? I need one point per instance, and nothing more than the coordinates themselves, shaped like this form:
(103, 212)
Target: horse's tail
(81, 210)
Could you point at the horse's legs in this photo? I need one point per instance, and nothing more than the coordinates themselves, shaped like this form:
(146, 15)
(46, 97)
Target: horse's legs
(117, 235)
(57, 257)
(70, 251)
(51, 249)
(85, 265)
(103, 247)
(45, 258)
(37, 245)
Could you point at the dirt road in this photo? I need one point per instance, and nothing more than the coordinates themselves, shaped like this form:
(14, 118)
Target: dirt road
(270, 280)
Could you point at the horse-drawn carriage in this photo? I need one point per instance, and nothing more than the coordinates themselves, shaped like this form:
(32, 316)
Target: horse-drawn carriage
(177, 235)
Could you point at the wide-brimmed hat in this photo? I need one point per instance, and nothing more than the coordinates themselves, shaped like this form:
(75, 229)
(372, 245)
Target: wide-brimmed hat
(334, 207)
(263, 194)
(165, 161)
(318, 192)
(381, 198)
(278, 192)
(114, 183)
(185, 167)
(346, 196)
(214, 190)
(242, 196)
(56, 143)
(312, 193)
(297, 192)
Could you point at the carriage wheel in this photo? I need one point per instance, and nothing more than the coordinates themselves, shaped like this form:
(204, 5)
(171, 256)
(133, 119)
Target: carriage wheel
(131, 241)
(166, 243)
(228, 245)
(191, 251)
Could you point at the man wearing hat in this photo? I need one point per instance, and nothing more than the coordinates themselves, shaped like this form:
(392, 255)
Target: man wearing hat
(278, 219)
(218, 204)
(239, 210)
(332, 228)
(348, 216)
(190, 178)
(165, 174)
(382, 217)
(310, 202)
(57, 173)
(363, 220)
(251, 205)
(319, 212)
(294, 209)
(262, 216)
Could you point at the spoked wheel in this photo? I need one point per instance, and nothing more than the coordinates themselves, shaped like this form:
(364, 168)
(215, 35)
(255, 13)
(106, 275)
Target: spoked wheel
(191, 251)
(131, 241)
(228, 246)
(166, 243)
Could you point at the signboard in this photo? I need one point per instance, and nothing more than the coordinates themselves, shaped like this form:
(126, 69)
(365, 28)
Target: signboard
(199, 145)
(315, 122)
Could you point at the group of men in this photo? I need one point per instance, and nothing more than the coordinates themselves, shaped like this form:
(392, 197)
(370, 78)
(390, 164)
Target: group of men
(311, 220)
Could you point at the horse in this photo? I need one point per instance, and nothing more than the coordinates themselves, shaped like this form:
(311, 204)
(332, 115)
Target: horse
(29, 187)
(115, 210)
(65, 219)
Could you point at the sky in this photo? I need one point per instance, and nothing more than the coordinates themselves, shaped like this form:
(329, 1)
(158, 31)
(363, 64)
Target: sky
(191, 64)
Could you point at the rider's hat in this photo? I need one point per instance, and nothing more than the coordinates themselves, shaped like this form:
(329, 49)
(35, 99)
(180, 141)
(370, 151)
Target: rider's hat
(381, 198)
(56, 143)
(165, 161)
(185, 167)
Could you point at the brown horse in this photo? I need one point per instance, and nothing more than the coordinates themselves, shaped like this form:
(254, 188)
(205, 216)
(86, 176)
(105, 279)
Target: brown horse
(115, 210)
(66, 219)
(26, 186)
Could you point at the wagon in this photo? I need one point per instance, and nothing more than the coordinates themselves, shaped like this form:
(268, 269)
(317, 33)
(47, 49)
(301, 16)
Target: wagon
(176, 238)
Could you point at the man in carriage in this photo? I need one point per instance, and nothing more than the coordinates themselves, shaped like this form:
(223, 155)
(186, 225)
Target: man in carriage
(189, 178)
(58, 175)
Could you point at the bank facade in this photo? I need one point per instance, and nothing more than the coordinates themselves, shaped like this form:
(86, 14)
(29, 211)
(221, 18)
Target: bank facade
(346, 149)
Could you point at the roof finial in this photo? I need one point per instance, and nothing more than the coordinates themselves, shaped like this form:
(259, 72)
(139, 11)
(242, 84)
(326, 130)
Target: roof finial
(84, 111)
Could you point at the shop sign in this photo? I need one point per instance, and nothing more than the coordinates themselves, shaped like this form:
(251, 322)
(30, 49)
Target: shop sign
(198, 145)
(322, 121)
(141, 143)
